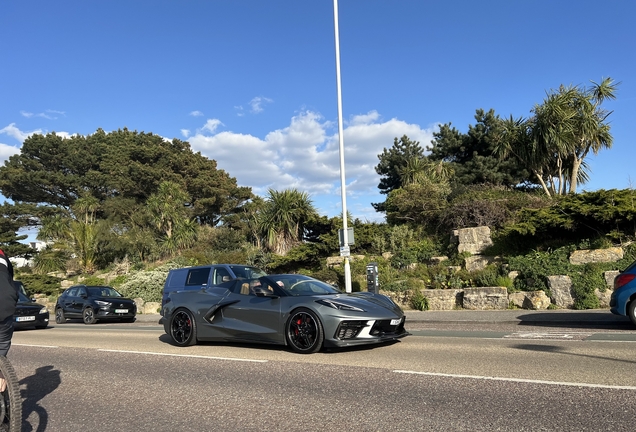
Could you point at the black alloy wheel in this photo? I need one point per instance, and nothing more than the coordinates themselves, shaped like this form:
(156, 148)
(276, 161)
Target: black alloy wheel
(304, 332)
(183, 329)
(89, 316)
(59, 316)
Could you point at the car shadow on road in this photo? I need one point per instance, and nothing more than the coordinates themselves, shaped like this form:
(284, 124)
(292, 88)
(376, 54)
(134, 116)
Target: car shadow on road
(45, 380)
(272, 347)
(582, 320)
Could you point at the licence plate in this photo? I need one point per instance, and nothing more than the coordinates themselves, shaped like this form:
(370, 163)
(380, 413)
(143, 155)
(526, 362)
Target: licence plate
(121, 310)
(396, 321)
(25, 318)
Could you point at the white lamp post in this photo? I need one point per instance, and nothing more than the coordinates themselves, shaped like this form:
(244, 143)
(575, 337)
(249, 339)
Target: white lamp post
(344, 248)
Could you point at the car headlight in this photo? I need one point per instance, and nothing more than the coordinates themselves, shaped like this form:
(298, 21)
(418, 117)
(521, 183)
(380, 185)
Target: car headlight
(102, 303)
(44, 310)
(338, 305)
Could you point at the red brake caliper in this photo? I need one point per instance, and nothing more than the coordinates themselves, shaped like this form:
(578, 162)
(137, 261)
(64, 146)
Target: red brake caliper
(298, 323)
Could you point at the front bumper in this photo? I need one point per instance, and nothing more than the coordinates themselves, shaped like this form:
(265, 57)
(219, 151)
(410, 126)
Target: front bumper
(364, 332)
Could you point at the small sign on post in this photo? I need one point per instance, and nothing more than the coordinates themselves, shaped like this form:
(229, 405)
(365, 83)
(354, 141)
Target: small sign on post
(344, 251)
(350, 240)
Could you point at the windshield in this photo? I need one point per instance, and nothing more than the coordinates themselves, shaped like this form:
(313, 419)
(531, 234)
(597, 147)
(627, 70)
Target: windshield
(102, 291)
(299, 285)
(22, 298)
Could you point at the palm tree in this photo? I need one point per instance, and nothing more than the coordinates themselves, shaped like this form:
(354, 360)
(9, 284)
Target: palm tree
(284, 217)
(169, 213)
(570, 123)
(563, 130)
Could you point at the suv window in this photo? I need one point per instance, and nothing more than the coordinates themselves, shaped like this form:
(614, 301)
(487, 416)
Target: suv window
(198, 276)
(246, 272)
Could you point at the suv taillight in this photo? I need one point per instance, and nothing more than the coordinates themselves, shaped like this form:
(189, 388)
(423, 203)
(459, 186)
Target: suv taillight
(623, 279)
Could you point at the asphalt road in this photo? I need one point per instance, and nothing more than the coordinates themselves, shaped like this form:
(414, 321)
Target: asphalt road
(128, 377)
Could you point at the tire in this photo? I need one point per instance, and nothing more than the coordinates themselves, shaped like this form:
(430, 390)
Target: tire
(88, 315)
(10, 400)
(60, 318)
(631, 311)
(183, 328)
(304, 332)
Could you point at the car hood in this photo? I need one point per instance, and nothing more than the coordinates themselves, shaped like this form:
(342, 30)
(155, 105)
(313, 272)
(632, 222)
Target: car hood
(364, 300)
(28, 307)
(115, 299)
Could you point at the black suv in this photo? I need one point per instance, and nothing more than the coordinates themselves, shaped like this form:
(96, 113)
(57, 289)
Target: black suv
(94, 303)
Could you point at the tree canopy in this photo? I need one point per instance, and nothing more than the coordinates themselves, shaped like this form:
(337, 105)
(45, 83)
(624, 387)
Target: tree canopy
(393, 160)
(471, 154)
(56, 171)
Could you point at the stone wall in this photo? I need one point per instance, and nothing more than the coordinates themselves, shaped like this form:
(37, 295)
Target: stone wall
(475, 241)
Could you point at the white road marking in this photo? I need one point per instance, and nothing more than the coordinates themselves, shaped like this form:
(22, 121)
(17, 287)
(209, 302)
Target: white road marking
(548, 335)
(519, 380)
(37, 346)
(184, 355)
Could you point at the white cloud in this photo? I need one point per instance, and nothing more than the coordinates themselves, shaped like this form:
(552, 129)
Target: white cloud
(211, 125)
(305, 155)
(7, 151)
(257, 104)
(196, 114)
(16, 133)
(48, 114)
(185, 132)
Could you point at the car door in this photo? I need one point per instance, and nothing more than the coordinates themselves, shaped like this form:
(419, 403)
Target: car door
(79, 301)
(253, 318)
(68, 301)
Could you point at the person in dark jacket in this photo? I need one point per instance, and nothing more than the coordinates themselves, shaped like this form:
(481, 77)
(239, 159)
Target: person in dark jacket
(8, 300)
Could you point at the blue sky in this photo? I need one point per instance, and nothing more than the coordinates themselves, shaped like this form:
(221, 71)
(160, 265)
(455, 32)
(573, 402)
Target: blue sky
(252, 83)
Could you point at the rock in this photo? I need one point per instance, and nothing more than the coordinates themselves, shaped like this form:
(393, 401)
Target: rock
(387, 255)
(443, 299)
(485, 298)
(603, 297)
(479, 262)
(513, 275)
(561, 290)
(151, 307)
(472, 240)
(336, 261)
(596, 255)
(533, 300)
(438, 259)
(609, 276)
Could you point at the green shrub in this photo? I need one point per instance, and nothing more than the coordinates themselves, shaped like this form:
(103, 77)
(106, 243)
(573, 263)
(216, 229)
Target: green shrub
(418, 301)
(93, 280)
(40, 284)
(147, 285)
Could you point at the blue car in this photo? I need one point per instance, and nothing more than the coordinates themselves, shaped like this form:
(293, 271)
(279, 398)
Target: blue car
(623, 301)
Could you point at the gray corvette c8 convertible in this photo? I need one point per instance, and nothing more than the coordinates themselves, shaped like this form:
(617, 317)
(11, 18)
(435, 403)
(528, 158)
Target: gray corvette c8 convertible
(286, 309)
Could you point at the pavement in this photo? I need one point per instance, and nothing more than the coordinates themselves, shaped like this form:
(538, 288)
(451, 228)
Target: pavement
(557, 317)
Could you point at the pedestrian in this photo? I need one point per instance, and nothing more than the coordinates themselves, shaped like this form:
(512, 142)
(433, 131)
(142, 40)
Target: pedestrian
(8, 300)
